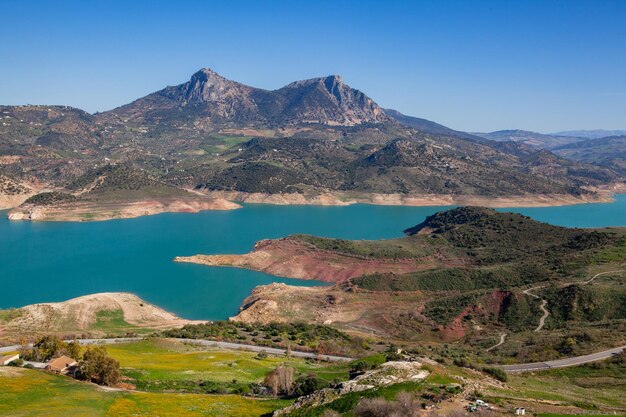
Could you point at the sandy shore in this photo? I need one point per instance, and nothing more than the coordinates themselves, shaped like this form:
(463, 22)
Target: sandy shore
(98, 211)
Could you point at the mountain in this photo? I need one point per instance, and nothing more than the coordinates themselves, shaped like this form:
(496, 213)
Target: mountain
(417, 165)
(428, 126)
(308, 138)
(608, 152)
(591, 134)
(213, 99)
(537, 140)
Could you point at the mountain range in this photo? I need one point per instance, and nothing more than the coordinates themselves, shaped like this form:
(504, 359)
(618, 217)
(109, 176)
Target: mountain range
(310, 137)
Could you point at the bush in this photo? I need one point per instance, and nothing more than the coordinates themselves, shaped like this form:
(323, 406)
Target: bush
(497, 373)
(405, 405)
(18, 362)
(308, 384)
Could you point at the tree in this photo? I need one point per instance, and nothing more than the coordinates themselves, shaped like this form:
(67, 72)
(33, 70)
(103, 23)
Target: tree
(72, 349)
(45, 348)
(96, 366)
(280, 380)
(308, 384)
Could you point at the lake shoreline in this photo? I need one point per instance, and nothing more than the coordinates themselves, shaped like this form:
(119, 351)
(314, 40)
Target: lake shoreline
(136, 255)
(102, 211)
(86, 211)
(423, 200)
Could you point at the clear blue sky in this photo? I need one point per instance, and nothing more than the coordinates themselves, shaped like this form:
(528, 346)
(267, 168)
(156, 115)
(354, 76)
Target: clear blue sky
(474, 65)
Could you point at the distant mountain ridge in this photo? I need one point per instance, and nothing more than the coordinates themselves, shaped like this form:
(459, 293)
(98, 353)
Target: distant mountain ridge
(429, 126)
(308, 138)
(534, 139)
(608, 152)
(591, 134)
(325, 100)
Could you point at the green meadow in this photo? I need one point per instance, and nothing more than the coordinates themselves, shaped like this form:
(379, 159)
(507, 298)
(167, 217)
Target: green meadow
(155, 364)
(32, 393)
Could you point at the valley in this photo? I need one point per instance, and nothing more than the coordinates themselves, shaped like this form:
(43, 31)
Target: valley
(312, 209)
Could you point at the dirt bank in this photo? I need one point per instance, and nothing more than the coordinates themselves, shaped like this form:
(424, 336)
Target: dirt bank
(14, 200)
(342, 199)
(96, 211)
(79, 315)
(291, 258)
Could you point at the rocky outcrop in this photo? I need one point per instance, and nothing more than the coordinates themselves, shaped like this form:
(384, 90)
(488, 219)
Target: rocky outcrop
(389, 373)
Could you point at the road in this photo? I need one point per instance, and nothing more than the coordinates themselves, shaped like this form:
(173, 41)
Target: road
(544, 303)
(563, 363)
(546, 313)
(601, 273)
(521, 367)
(502, 337)
(208, 343)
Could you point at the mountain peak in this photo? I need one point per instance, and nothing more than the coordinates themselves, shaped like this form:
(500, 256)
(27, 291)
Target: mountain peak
(323, 100)
(205, 73)
(327, 80)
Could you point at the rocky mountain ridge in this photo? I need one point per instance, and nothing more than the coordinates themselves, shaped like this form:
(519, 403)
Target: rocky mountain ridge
(325, 100)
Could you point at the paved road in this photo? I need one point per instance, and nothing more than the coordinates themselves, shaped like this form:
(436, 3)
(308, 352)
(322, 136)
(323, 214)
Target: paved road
(209, 343)
(563, 363)
(522, 367)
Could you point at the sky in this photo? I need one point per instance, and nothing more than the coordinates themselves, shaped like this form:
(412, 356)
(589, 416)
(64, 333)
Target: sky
(544, 65)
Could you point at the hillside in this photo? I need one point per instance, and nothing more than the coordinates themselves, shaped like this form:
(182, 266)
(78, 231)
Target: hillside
(461, 275)
(90, 315)
(172, 378)
(113, 192)
(310, 141)
(427, 126)
(534, 139)
(609, 152)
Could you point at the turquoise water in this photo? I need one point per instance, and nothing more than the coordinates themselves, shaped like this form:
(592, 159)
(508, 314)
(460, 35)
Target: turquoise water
(56, 261)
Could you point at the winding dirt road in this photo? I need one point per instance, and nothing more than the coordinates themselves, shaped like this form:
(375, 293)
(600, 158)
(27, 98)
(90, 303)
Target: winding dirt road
(502, 337)
(544, 303)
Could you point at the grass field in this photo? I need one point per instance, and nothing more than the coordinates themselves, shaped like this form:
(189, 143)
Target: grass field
(33, 393)
(583, 387)
(159, 361)
(112, 321)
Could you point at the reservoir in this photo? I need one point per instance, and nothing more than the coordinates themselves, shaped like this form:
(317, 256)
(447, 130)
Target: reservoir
(49, 261)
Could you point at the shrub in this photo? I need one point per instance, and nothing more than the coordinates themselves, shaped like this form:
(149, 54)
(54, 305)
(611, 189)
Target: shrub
(308, 384)
(497, 373)
(405, 405)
